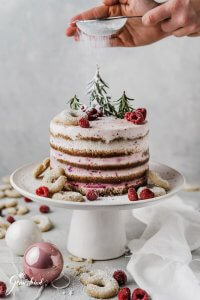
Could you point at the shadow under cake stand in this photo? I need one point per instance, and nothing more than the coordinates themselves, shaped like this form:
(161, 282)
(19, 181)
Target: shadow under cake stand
(97, 228)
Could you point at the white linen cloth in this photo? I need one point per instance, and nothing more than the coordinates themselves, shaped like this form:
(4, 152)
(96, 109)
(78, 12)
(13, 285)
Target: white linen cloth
(161, 257)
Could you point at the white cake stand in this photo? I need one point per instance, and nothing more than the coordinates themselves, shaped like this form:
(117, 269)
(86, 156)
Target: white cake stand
(97, 229)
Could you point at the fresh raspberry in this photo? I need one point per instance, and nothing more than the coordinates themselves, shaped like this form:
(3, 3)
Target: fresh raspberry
(92, 195)
(93, 114)
(27, 200)
(128, 115)
(146, 194)
(44, 209)
(143, 111)
(120, 276)
(124, 294)
(84, 123)
(92, 111)
(132, 194)
(3, 289)
(42, 191)
(139, 294)
(10, 219)
(136, 117)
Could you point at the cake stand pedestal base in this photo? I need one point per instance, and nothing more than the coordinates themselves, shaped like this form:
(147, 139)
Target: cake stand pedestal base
(97, 234)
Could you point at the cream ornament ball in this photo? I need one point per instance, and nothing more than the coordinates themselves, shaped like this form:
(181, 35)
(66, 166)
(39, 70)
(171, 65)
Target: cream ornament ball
(21, 234)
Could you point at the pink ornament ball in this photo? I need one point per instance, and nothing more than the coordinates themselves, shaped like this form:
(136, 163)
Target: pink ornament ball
(42, 262)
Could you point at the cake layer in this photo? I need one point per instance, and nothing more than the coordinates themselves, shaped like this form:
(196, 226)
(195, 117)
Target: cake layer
(104, 129)
(108, 189)
(97, 148)
(98, 176)
(109, 163)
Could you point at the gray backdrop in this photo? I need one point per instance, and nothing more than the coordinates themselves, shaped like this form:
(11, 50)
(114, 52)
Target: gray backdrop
(40, 69)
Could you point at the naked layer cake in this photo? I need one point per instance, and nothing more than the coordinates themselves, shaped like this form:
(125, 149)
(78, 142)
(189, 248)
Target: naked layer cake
(103, 146)
(110, 156)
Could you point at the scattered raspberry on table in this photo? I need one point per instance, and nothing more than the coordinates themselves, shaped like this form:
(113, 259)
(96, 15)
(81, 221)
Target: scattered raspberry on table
(42, 191)
(3, 289)
(120, 276)
(132, 194)
(146, 194)
(140, 294)
(44, 209)
(10, 219)
(27, 200)
(124, 294)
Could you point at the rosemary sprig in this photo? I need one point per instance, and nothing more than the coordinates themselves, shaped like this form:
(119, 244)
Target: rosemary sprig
(124, 105)
(74, 103)
(97, 89)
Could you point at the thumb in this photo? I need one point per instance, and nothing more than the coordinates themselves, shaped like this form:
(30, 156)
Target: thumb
(110, 2)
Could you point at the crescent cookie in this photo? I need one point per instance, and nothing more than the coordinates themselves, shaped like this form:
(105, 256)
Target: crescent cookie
(156, 179)
(2, 194)
(22, 210)
(99, 285)
(5, 186)
(68, 196)
(70, 117)
(12, 193)
(43, 222)
(158, 191)
(54, 180)
(3, 227)
(6, 179)
(10, 203)
(39, 169)
(11, 211)
(191, 188)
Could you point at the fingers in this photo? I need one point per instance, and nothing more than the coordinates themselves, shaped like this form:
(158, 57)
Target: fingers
(115, 42)
(194, 34)
(70, 31)
(177, 18)
(192, 30)
(180, 21)
(94, 13)
(111, 2)
(114, 2)
(156, 15)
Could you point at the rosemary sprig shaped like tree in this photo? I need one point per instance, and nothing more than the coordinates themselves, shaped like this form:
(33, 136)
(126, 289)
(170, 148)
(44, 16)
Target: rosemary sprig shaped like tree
(97, 89)
(74, 103)
(124, 105)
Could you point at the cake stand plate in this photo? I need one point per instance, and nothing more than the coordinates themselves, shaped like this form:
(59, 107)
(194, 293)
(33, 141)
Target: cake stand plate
(97, 228)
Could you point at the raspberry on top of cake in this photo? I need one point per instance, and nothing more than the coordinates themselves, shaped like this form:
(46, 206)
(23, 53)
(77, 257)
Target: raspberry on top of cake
(101, 147)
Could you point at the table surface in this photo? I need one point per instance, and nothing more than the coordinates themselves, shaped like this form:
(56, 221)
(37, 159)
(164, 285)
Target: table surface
(58, 236)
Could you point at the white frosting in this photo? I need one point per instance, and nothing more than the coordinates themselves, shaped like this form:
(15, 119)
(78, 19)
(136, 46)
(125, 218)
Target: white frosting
(106, 128)
(89, 146)
(97, 161)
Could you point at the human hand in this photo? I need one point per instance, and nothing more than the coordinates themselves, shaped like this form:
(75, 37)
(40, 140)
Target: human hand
(134, 33)
(177, 17)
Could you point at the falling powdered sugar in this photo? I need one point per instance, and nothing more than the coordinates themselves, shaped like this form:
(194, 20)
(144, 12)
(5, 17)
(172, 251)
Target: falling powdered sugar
(94, 41)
